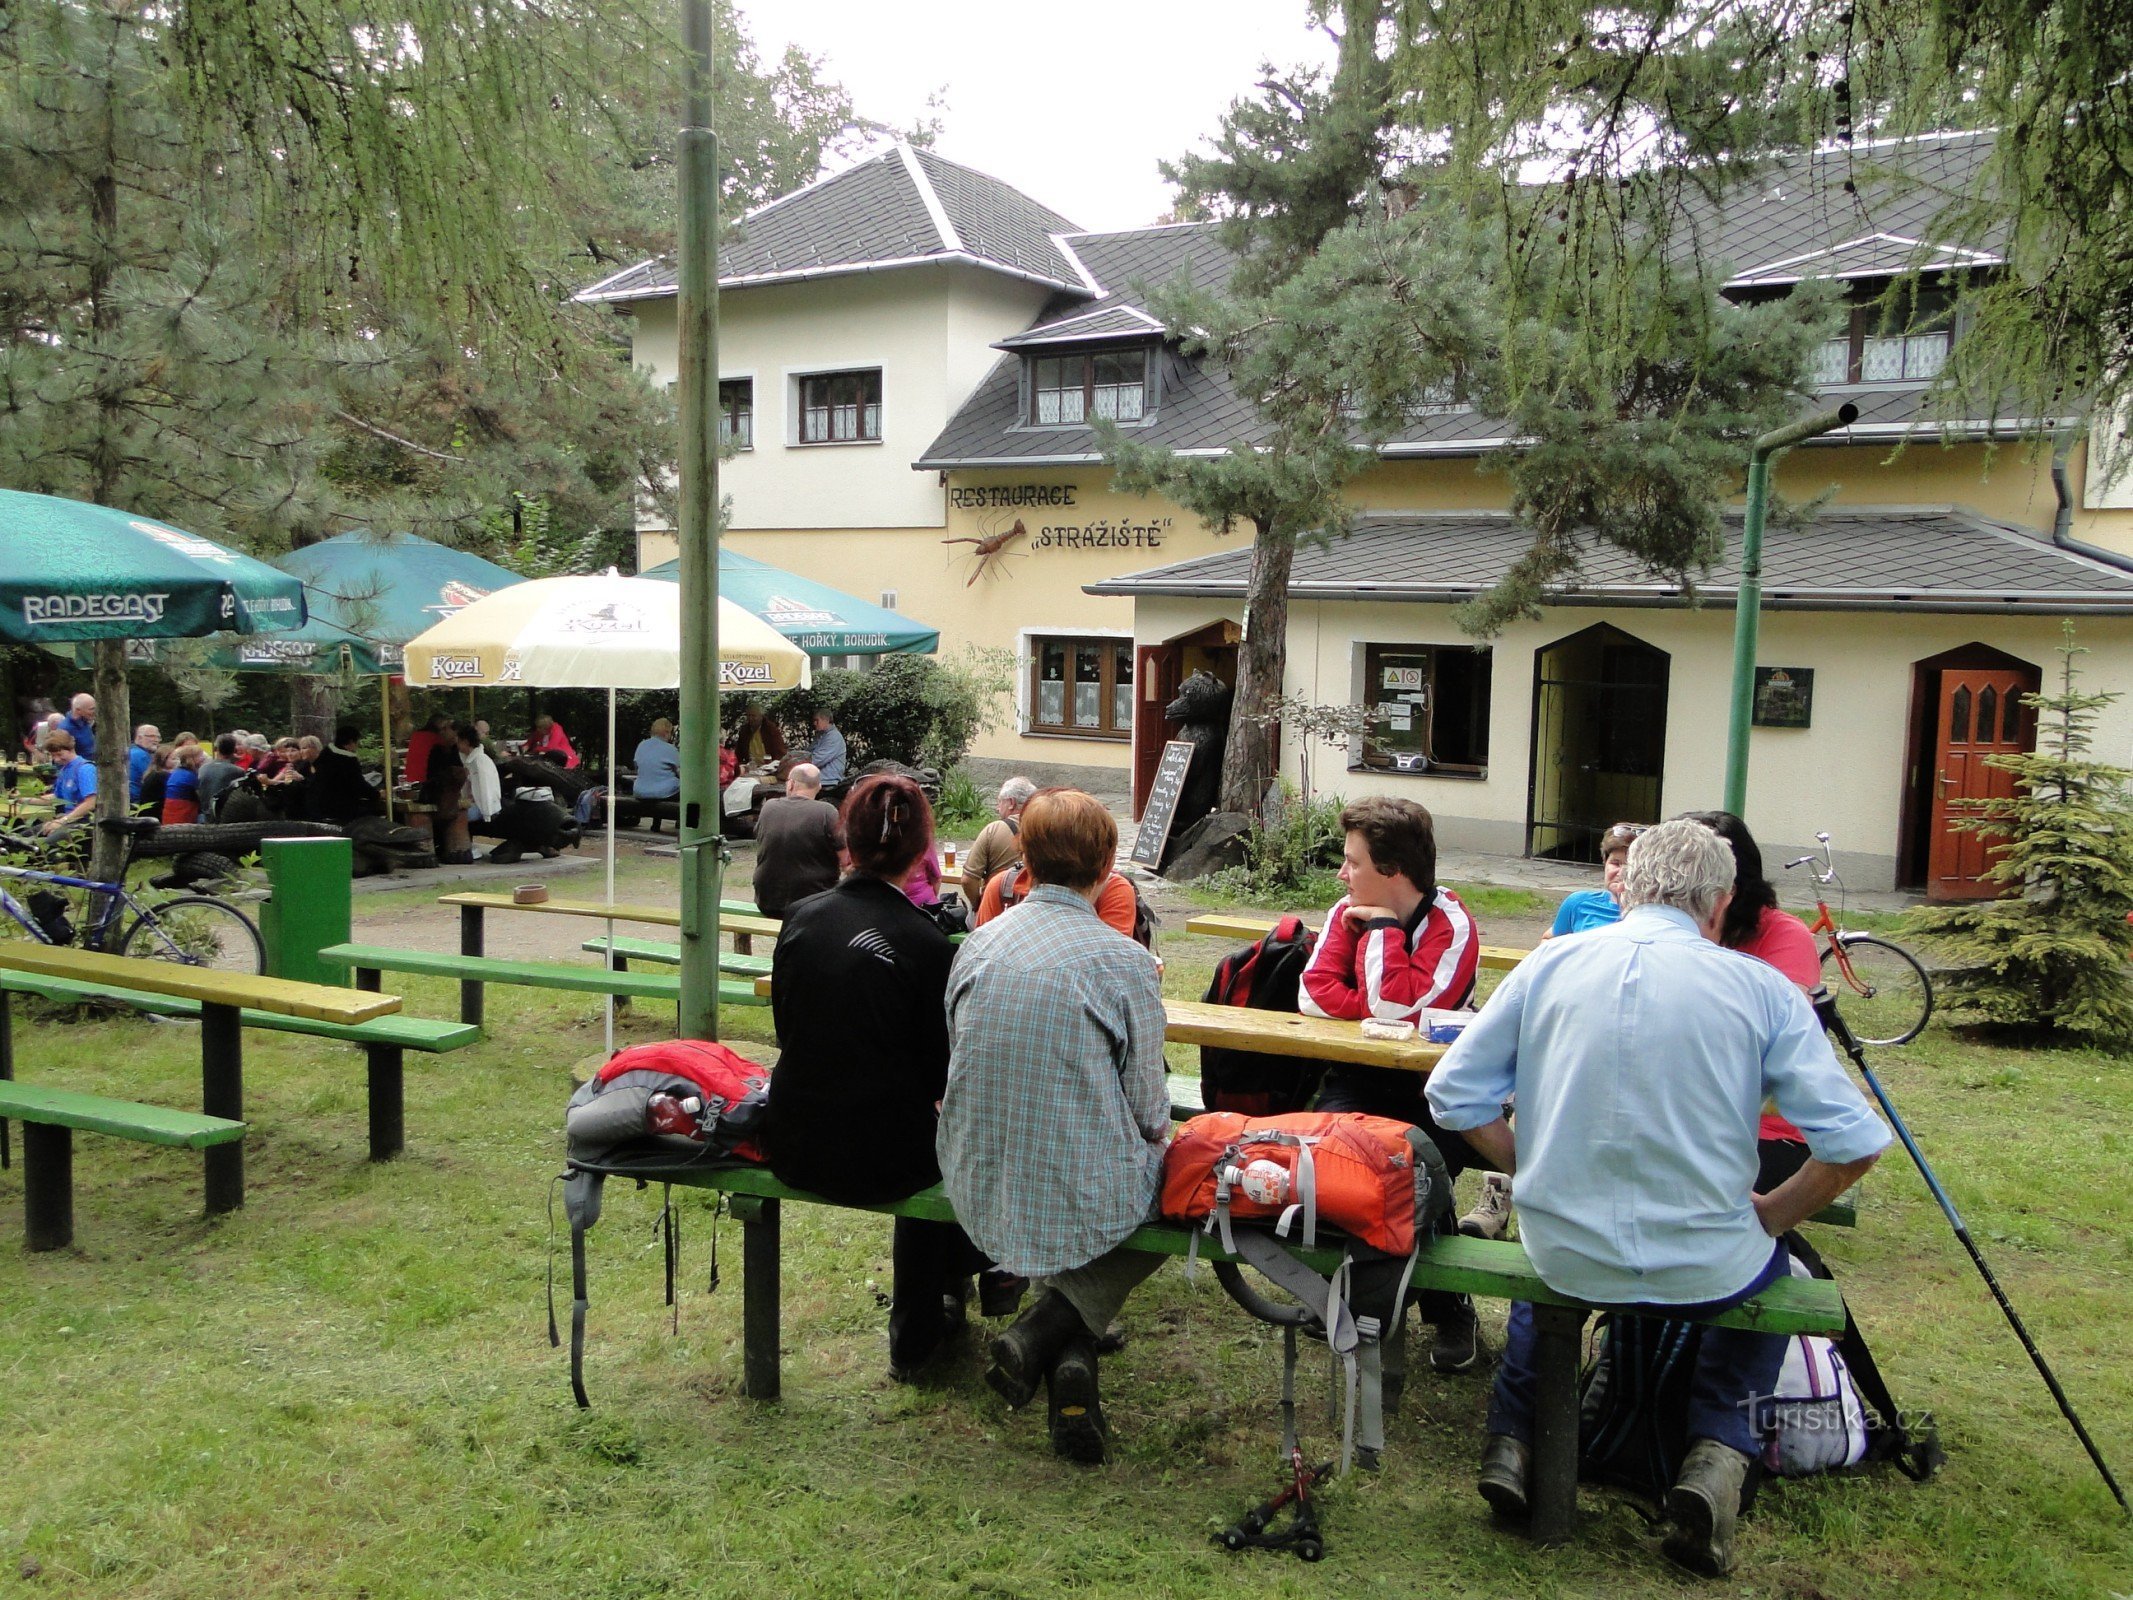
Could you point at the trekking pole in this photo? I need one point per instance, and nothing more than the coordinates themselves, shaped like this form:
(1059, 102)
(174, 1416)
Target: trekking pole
(1826, 1013)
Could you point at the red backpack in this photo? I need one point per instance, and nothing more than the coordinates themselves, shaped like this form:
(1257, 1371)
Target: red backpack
(606, 1119)
(1379, 1181)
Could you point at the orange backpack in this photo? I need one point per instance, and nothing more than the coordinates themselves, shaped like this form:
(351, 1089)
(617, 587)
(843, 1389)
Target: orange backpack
(1379, 1181)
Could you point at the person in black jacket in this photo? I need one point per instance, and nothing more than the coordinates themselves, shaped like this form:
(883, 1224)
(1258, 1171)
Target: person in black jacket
(858, 988)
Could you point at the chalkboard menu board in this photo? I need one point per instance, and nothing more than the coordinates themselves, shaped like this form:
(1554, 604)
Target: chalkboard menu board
(1162, 807)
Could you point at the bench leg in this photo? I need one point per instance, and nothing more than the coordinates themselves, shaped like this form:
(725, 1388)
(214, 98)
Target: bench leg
(222, 1095)
(470, 944)
(7, 1062)
(388, 1114)
(47, 1186)
(744, 944)
(760, 1270)
(619, 964)
(1555, 1422)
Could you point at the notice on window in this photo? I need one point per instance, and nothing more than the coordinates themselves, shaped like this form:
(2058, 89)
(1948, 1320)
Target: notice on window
(1402, 678)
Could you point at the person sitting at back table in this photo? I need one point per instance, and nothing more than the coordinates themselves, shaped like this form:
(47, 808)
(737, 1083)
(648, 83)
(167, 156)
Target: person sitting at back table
(80, 721)
(797, 841)
(826, 750)
(338, 792)
(155, 780)
(181, 789)
(551, 743)
(997, 846)
(218, 773)
(658, 764)
(1396, 946)
(1057, 1111)
(73, 783)
(1597, 908)
(858, 986)
(420, 744)
(485, 788)
(1115, 902)
(1640, 1055)
(756, 740)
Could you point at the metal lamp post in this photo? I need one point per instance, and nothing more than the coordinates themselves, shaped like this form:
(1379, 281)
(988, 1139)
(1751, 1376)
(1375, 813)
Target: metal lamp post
(1747, 609)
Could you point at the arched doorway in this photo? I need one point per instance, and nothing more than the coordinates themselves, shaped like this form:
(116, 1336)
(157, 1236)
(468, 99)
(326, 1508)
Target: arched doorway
(1599, 740)
(1966, 706)
(1159, 671)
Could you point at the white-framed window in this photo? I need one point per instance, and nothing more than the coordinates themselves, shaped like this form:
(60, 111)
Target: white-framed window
(1908, 343)
(1079, 684)
(1068, 389)
(839, 407)
(1429, 710)
(736, 413)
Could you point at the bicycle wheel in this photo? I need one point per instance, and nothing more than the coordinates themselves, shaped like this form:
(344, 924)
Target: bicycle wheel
(196, 931)
(1881, 990)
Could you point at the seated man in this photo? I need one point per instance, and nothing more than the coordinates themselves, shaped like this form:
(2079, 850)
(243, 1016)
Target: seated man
(997, 846)
(1641, 1055)
(1395, 946)
(797, 844)
(826, 750)
(338, 791)
(658, 764)
(756, 741)
(218, 774)
(1053, 1126)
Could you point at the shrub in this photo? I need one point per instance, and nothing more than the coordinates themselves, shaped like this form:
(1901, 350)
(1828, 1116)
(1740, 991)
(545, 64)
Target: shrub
(1291, 858)
(920, 710)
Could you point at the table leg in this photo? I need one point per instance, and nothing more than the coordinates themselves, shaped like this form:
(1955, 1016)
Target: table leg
(470, 944)
(1555, 1422)
(388, 1108)
(47, 1186)
(222, 1095)
(760, 1269)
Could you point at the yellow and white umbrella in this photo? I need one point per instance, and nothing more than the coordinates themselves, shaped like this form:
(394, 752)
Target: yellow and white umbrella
(603, 632)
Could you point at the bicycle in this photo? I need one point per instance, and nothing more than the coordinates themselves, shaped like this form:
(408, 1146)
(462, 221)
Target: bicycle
(194, 930)
(1886, 993)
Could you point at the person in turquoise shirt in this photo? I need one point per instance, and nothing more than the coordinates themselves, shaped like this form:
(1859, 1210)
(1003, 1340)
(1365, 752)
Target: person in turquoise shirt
(1640, 1055)
(1596, 908)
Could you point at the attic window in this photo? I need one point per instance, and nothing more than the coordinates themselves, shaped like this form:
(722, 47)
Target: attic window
(1111, 384)
(1906, 343)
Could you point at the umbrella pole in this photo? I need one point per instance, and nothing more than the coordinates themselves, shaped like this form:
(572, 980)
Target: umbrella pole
(611, 864)
(385, 719)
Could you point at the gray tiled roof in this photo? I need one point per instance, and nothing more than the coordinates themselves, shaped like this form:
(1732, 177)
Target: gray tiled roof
(1873, 558)
(1087, 325)
(882, 210)
(1798, 221)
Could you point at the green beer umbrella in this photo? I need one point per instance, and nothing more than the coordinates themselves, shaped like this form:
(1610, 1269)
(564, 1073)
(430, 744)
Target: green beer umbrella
(820, 620)
(72, 571)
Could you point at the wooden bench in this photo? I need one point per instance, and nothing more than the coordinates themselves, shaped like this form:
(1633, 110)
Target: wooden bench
(223, 998)
(384, 1040)
(665, 953)
(367, 961)
(737, 918)
(1491, 1269)
(49, 1117)
(1225, 925)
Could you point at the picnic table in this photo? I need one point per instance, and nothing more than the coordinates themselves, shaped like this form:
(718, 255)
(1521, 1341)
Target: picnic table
(1224, 925)
(223, 998)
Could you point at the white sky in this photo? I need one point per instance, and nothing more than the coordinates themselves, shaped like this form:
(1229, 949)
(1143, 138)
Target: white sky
(1073, 105)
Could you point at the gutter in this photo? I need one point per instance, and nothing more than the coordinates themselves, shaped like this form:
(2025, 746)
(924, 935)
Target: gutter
(2062, 537)
(1809, 600)
(845, 270)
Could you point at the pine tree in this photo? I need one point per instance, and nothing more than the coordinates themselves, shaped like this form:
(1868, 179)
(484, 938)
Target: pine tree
(2050, 956)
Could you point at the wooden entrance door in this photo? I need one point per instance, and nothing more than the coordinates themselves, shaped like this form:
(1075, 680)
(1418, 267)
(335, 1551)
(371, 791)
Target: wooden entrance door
(1156, 677)
(1981, 715)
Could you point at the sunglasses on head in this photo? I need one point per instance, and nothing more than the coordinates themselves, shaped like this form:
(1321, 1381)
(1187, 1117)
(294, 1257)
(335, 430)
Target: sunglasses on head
(1623, 832)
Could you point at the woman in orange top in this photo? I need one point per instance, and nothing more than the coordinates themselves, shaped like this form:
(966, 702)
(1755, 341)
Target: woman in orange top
(1115, 905)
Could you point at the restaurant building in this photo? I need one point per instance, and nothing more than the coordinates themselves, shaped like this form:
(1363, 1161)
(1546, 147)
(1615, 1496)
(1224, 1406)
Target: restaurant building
(911, 354)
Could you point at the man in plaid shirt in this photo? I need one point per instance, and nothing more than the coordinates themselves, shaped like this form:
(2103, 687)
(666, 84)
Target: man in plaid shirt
(1056, 1113)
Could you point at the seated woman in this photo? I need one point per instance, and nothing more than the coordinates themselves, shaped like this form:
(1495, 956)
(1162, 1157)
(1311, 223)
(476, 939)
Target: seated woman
(1755, 926)
(857, 987)
(181, 786)
(1053, 1126)
(155, 779)
(1596, 908)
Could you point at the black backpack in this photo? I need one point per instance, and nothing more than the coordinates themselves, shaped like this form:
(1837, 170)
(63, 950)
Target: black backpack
(1265, 976)
(1633, 1420)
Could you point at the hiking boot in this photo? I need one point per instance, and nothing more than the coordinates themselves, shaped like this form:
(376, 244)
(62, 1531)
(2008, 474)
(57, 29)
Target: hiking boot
(506, 853)
(1112, 1339)
(1458, 1347)
(954, 1323)
(1703, 1505)
(1075, 1410)
(1491, 1216)
(1000, 1293)
(1505, 1461)
(1021, 1356)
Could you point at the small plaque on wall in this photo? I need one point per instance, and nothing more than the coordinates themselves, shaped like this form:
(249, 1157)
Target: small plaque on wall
(1784, 697)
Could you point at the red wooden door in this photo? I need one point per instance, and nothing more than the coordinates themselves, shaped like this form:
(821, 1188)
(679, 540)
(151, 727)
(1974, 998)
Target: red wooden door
(1981, 715)
(1156, 678)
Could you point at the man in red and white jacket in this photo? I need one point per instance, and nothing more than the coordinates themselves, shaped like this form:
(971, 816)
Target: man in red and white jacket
(1394, 947)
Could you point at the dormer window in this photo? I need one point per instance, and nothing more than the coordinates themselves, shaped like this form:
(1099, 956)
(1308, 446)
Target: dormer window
(1907, 343)
(1111, 384)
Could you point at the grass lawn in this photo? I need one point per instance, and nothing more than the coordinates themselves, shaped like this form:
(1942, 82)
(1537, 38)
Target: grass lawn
(346, 1389)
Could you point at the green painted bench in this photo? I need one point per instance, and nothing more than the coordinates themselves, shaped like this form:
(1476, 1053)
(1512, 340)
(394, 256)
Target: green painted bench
(49, 1117)
(385, 1040)
(1492, 1269)
(367, 961)
(663, 953)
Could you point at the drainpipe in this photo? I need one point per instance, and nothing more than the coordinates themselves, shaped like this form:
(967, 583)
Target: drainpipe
(1747, 609)
(2061, 523)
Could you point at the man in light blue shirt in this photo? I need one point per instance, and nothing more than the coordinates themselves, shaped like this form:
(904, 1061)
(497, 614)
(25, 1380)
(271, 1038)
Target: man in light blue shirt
(826, 752)
(1640, 1056)
(80, 723)
(142, 756)
(658, 764)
